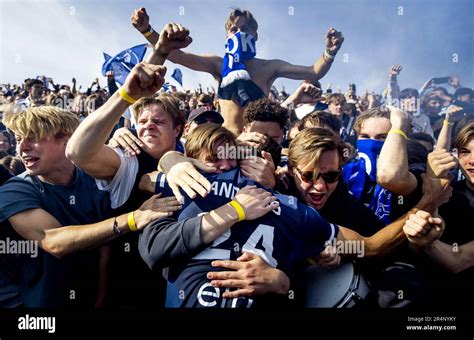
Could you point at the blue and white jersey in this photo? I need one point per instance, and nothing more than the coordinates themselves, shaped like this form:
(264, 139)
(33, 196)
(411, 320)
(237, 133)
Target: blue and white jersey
(283, 237)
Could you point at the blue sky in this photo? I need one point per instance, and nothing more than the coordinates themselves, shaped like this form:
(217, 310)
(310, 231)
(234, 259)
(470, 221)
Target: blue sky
(61, 39)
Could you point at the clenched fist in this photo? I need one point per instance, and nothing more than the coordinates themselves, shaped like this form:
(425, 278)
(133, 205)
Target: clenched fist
(144, 80)
(173, 37)
(423, 229)
(334, 40)
(140, 20)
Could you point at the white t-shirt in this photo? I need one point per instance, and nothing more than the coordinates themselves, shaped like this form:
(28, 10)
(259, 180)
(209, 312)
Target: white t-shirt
(120, 187)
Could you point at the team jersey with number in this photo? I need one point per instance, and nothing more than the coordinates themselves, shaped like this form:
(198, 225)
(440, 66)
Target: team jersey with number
(283, 237)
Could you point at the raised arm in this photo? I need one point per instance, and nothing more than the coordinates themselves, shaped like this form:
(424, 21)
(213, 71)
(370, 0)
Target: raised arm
(306, 93)
(393, 89)
(444, 138)
(203, 63)
(280, 68)
(86, 147)
(392, 166)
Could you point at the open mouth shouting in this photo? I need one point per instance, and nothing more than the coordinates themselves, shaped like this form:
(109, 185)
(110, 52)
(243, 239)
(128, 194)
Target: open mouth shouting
(30, 161)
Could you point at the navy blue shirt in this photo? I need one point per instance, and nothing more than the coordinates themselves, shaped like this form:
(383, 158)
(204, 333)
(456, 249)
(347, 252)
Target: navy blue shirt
(283, 237)
(46, 281)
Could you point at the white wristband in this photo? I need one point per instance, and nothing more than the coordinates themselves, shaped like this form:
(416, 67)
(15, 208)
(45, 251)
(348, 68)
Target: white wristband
(328, 55)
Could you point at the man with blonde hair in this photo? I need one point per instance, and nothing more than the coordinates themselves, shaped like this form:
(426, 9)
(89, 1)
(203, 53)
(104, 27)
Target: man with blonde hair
(58, 207)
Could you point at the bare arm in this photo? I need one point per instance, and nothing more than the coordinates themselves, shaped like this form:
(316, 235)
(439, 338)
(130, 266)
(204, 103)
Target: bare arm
(393, 89)
(454, 260)
(205, 63)
(86, 147)
(392, 166)
(166, 241)
(255, 203)
(423, 230)
(39, 225)
(444, 138)
(435, 193)
(381, 243)
(280, 68)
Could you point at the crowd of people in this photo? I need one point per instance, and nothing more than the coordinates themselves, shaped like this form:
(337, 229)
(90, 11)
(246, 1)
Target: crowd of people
(138, 197)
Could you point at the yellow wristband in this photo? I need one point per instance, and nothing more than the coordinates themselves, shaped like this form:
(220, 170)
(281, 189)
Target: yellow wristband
(445, 122)
(125, 96)
(131, 222)
(400, 132)
(147, 34)
(240, 211)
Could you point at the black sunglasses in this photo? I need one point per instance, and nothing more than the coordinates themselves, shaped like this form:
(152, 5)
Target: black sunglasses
(328, 177)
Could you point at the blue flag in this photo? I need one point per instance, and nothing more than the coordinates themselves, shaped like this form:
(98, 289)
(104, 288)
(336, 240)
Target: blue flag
(178, 76)
(166, 87)
(123, 62)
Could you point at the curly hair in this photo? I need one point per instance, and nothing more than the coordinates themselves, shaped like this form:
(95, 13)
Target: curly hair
(265, 110)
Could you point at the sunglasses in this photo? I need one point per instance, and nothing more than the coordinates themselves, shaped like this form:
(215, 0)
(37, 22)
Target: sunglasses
(328, 177)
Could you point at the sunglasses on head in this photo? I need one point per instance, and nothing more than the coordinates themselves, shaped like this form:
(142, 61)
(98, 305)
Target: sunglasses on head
(328, 177)
(205, 119)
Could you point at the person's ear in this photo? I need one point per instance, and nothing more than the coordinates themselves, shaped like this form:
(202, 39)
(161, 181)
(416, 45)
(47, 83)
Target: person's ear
(177, 130)
(186, 129)
(291, 171)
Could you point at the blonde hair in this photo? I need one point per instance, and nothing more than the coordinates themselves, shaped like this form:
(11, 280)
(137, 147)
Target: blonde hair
(310, 143)
(376, 112)
(205, 137)
(235, 14)
(42, 122)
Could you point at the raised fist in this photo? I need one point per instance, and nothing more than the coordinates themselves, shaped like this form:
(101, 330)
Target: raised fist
(173, 37)
(140, 20)
(144, 80)
(334, 40)
(306, 94)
